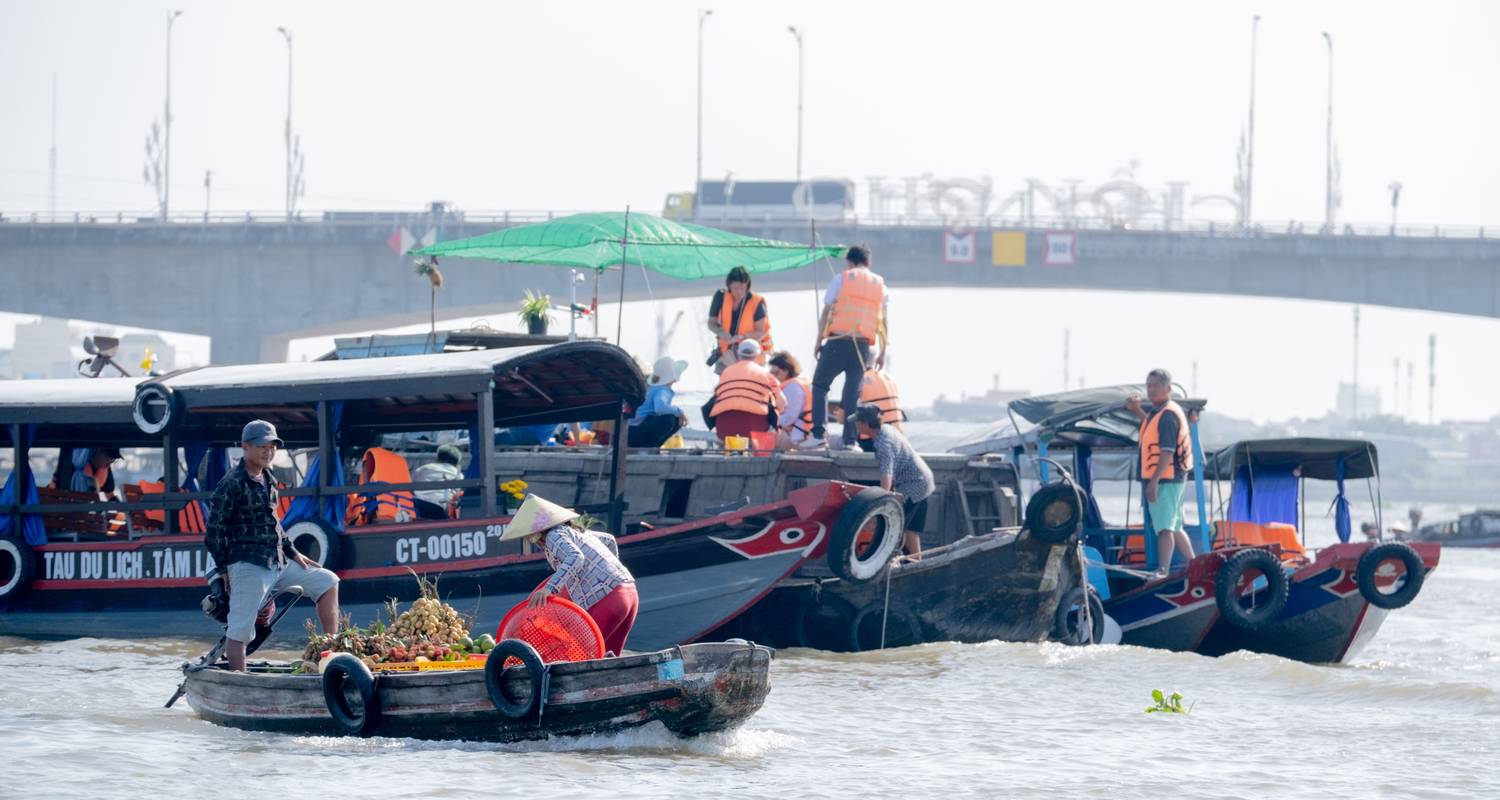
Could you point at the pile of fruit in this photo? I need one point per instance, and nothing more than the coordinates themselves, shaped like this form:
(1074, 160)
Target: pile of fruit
(430, 630)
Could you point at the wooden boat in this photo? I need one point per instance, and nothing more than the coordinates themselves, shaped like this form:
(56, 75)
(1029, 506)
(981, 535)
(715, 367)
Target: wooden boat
(77, 580)
(1253, 585)
(1478, 528)
(691, 690)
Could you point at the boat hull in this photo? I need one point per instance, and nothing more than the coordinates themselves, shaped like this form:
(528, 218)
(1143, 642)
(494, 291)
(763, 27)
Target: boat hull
(690, 577)
(1171, 613)
(691, 690)
(1004, 585)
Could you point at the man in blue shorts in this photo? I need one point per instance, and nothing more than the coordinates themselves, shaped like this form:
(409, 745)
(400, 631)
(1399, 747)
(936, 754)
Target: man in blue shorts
(1166, 459)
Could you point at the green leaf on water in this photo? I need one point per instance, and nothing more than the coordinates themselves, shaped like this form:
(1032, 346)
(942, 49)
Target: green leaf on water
(1156, 695)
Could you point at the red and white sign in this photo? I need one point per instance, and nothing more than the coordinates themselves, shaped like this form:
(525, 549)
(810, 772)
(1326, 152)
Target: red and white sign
(401, 241)
(1061, 250)
(958, 248)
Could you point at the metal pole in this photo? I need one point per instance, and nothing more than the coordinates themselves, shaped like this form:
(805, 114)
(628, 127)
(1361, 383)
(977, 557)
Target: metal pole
(484, 450)
(1328, 145)
(573, 279)
(617, 471)
(703, 15)
(1354, 395)
(1250, 137)
(52, 156)
(208, 194)
(1395, 187)
(624, 260)
(171, 476)
(287, 134)
(798, 34)
(166, 190)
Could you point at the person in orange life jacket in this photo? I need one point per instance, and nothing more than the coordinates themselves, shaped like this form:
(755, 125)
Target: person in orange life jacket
(879, 389)
(795, 420)
(854, 312)
(736, 314)
(1166, 458)
(86, 469)
(252, 550)
(657, 419)
(747, 395)
(901, 471)
(586, 567)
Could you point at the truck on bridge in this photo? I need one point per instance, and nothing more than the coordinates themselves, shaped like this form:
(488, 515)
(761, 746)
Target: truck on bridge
(760, 201)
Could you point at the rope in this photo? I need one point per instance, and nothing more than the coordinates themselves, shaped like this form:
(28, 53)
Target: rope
(885, 612)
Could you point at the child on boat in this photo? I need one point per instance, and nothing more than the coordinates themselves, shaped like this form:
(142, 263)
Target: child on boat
(586, 564)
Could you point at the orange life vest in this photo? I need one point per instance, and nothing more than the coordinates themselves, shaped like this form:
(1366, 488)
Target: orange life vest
(804, 420)
(744, 386)
(880, 389)
(190, 519)
(382, 466)
(753, 303)
(1182, 457)
(856, 309)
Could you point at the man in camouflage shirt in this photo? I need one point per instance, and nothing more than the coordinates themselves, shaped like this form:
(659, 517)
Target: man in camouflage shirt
(248, 544)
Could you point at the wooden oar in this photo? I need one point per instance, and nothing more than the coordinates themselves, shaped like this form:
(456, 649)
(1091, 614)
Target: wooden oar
(262, 633)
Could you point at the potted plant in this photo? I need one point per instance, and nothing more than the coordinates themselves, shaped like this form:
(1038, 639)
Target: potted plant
(534, 312)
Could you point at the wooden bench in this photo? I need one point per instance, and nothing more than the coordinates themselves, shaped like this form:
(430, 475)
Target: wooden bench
(80, 524)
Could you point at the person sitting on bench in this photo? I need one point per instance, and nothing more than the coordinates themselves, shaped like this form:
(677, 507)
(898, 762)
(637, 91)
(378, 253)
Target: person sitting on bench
(433, 503)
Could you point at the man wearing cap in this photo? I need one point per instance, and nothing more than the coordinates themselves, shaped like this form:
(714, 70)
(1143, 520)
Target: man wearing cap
(586, 567)
(901, 471)
(657, 419)
(433, 503)
(252, 551)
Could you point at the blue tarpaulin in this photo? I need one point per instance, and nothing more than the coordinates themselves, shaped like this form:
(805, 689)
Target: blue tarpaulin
(1270, 497)
(32, 529)
(1341, 506)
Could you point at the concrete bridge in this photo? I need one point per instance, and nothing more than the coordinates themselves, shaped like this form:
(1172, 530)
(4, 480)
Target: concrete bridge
(254, 285)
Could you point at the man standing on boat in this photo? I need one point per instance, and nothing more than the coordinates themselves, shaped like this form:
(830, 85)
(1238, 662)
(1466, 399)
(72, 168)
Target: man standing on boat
(248, 544)
(1166, 458)
(854, 310)
(901, 471)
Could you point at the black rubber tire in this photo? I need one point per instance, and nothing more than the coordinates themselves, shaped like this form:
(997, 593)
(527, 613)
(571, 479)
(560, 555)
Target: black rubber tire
(321, 534)
(1226, 586)
(156, 408)
(902, 628)
(869, 503)
(1416, 574)
(17, 568)
(1055, 513)
(494, 679)
(342, 669)
(831, 632)
(1065, 626)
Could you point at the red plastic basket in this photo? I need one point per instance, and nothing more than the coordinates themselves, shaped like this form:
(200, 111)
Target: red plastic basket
(559, 630)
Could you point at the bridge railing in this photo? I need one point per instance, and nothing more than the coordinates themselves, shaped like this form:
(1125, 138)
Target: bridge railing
(505, 218)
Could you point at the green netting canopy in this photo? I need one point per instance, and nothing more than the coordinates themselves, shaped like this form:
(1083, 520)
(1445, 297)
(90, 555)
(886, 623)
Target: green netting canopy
(600, 241)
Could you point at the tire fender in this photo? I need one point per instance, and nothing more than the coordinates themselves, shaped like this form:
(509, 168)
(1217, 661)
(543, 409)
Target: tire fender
(901, 626)
(1066, 627)
(342, 670)
(17, 568)
(321, 535)
(1055, 513)
(494, 679)
(870, 505)
(1369, 563)
(1227, 595)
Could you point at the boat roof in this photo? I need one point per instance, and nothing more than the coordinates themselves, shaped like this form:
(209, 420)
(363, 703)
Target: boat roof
(565, 382)
(55, 406)
(1316, 458)
(1094, 418)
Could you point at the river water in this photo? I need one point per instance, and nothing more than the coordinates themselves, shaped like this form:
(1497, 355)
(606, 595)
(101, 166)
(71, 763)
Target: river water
(1417, 715)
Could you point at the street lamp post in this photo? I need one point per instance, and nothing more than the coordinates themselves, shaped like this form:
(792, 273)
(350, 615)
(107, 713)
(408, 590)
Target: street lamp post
(1395, 189)
(1250, 134)
(798, 35)
(290, 197)
(703, 15)
(1328, 144)
(166, 196)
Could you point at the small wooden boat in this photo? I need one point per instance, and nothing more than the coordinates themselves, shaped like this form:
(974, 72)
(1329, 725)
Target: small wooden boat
(692, 689)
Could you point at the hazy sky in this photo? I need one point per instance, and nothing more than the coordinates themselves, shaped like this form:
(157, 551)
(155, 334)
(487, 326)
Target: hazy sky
(590, 105)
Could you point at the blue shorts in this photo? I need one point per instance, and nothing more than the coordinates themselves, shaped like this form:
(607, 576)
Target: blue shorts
(1166, 512)
(250, 583)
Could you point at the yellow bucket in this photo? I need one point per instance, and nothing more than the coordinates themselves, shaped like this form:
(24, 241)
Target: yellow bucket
(736, 443)
(674, 443)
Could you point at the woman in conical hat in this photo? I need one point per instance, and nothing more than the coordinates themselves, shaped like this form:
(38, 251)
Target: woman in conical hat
(586, 567)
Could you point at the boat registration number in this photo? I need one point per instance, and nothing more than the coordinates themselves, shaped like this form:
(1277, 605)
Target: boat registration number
(441, 546)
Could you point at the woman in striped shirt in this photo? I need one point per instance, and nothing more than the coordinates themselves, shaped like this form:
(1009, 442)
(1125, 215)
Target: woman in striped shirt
(586, 568)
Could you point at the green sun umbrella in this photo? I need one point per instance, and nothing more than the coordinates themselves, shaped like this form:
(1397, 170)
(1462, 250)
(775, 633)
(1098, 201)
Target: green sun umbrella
(604, 240)
(600, 241)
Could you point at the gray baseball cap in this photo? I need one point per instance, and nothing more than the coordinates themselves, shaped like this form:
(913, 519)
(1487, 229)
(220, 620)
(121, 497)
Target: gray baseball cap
(258, 431)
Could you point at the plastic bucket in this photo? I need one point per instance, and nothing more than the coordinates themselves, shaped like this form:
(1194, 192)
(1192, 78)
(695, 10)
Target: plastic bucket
(763, 442)
(736, 443)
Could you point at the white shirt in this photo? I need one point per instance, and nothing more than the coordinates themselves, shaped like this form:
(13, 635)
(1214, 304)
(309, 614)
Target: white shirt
(793, 411)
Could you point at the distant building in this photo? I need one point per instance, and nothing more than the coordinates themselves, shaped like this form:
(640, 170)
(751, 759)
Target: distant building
(44, 349)
(7, 369)
(1368, 406)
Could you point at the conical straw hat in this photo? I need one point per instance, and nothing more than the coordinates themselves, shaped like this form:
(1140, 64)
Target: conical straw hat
(536, 515)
